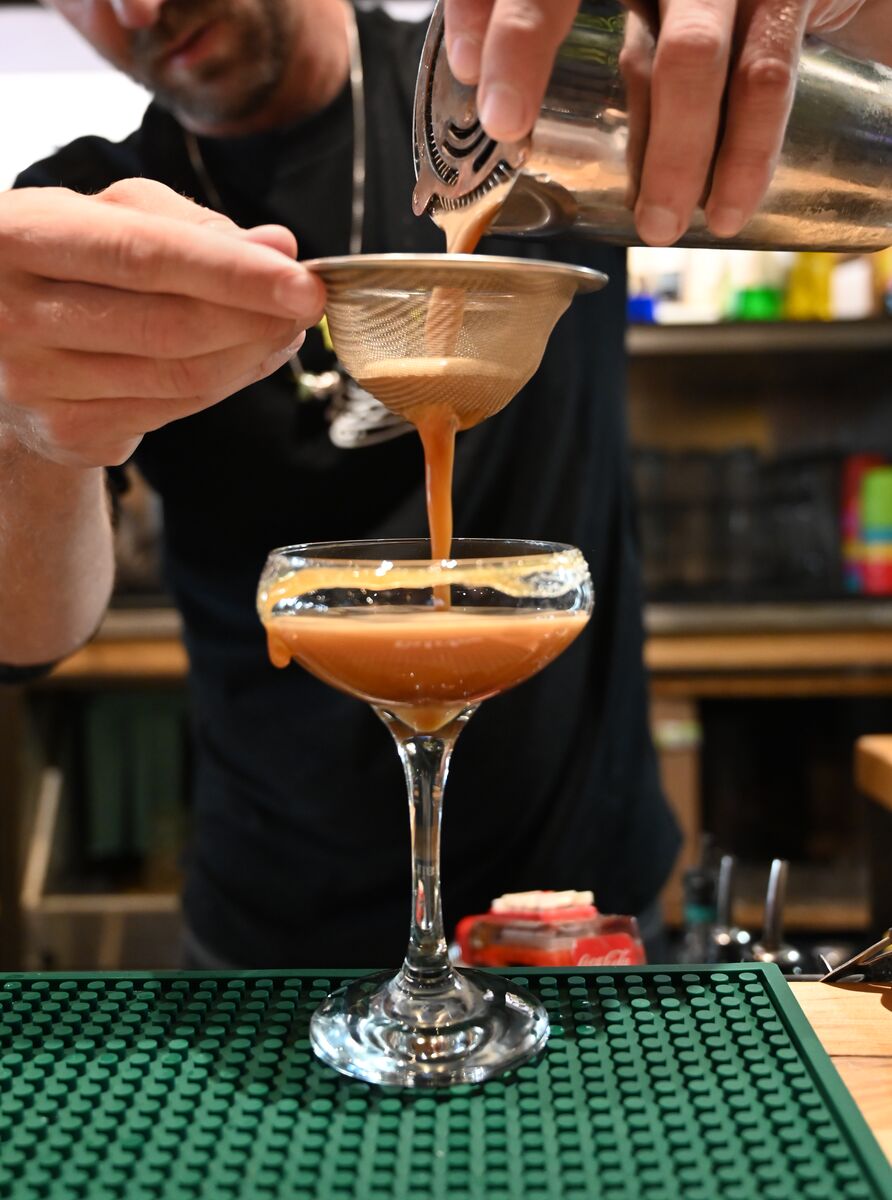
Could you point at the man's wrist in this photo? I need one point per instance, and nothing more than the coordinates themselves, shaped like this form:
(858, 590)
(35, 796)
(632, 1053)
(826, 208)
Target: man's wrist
(17, 456)
(34, 489)
(54, 524)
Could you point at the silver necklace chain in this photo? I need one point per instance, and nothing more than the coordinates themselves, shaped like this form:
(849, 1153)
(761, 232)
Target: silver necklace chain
(355, 418)
(357, 92)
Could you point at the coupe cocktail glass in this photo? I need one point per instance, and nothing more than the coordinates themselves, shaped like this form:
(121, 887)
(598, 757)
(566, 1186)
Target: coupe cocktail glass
(425, 642)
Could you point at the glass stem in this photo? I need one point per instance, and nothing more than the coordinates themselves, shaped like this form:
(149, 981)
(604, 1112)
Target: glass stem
(425, 760)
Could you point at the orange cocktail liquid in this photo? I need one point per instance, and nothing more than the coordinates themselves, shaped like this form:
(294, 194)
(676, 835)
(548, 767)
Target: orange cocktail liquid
(424, 664)
(441, 393)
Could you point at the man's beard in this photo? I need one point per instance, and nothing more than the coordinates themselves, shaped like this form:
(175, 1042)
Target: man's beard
(224, 90)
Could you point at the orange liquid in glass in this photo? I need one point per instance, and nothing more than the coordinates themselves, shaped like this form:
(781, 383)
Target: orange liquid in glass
(423, 664)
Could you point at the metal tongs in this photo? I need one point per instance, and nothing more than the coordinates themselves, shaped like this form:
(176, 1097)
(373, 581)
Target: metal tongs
(873, 965)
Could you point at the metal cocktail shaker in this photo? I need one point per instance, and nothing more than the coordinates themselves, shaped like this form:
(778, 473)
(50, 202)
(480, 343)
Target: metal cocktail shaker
(832, 189)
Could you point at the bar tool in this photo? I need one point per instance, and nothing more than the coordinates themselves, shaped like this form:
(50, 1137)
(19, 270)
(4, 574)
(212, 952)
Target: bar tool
(729, 943)
(458, 329)
(772, 947)
(700, 905)
(832, 189)
(873, 965)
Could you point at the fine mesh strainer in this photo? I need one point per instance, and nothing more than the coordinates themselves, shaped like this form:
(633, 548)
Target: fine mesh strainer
(463, 330)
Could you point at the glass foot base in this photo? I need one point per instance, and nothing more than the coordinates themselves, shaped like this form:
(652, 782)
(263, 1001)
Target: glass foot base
(465, 1029)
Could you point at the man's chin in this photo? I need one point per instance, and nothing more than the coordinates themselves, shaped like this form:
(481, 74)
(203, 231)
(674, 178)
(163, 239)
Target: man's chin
(212, 110)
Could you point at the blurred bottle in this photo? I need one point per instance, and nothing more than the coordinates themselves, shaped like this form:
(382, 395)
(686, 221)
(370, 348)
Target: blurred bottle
(704, 285)
(642, 308)
(801, 547)
(649, 472)
(759, 291)
(809, 287)
(548, 929)
(852, 289)
(700, 894)
(876, 522)
(854, 468)
(737, 518)
(693, 489)
(675, 286)
(882, 283)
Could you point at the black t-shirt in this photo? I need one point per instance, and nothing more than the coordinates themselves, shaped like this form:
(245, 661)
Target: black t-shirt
(300, 852)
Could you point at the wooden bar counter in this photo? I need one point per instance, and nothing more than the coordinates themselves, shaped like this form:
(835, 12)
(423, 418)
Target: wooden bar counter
(854, 1024)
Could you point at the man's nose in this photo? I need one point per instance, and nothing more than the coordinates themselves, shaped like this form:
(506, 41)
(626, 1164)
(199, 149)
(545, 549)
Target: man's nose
(136, 14)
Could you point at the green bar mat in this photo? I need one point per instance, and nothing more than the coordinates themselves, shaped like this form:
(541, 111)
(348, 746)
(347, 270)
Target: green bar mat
(661, 1083)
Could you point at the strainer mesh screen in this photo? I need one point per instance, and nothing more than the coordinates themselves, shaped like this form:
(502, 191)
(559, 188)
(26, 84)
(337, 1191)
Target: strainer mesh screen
(423, 331)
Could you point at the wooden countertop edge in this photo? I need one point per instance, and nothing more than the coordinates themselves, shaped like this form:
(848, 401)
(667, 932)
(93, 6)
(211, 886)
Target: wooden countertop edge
(862, 655)
(870, 1082)
(124, 659)
(854, 1025)
(873, 768)
(866, 650)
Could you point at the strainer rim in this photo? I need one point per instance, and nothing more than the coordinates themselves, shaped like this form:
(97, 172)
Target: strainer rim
(587, 278)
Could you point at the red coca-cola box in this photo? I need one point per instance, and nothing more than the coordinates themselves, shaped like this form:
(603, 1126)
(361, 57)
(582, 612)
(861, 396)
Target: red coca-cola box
(549, 929)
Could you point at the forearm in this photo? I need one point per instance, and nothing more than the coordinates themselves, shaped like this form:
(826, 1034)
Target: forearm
(869, 34)
(56, 555)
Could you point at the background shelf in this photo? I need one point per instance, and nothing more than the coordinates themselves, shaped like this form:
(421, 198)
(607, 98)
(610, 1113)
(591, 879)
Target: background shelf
(788, 337)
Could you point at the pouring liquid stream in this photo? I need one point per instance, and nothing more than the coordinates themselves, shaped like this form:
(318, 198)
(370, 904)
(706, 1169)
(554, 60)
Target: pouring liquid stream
(441, 393)
(450, 385)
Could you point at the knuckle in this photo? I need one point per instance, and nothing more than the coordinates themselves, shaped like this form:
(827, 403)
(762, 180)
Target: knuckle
(524, 19)
(695, 46)
(135, 258)
(63, 426)
(161, 332)
(278, 333)
(635, 64)
(15, 322)
(767, 74)
(107, 451)
(751, 163)
(131, 193)
(17, 384)
(748, 174)
(115, 454)
(315, 306)
(13, 202)
(181, 377)
(24, 312)
(209, 219)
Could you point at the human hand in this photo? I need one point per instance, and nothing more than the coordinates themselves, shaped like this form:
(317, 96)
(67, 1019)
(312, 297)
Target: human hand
(124, 311)
(709, 96)
(679, 59)
(507, 48)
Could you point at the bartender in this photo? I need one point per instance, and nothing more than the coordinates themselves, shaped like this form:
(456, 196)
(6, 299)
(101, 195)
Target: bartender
(138, 325)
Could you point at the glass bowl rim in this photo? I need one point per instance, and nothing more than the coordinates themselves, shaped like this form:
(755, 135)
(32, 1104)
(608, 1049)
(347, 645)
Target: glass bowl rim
(535, 551)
